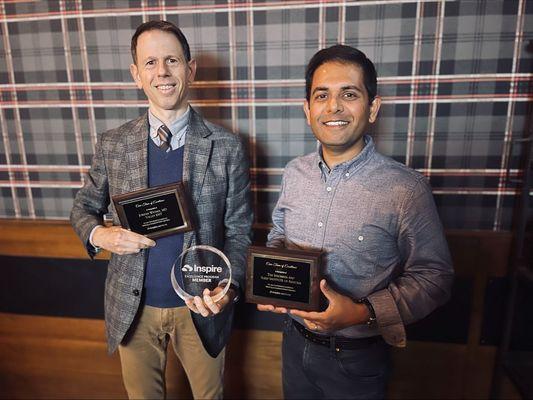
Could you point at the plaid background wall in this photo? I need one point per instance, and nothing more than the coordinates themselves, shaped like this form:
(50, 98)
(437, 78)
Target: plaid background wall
(456, 79)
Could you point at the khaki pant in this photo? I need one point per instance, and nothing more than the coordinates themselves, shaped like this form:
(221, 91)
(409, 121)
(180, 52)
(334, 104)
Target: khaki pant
(143, 355)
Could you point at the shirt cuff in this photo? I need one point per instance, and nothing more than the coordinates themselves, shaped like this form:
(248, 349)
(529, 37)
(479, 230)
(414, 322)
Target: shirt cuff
(276, 243)
(233, 285)
(388, 318)
(96, 248)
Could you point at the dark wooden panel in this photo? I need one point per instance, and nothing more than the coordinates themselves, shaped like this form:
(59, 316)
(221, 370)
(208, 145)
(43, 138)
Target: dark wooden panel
(450, 322)
(81, 368)
(50, 357)
(40, 238)
(56, 239)
(253, 365)
(75, 288)
(55, 287)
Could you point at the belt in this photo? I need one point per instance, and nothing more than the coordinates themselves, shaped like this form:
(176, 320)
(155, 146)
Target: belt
(337, 342)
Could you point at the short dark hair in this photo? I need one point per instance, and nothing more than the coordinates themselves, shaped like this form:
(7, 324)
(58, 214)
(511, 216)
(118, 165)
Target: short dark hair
(346, 55)
(164, 26)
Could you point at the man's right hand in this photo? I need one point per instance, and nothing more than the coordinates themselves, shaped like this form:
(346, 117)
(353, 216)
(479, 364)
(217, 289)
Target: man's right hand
(120, 241)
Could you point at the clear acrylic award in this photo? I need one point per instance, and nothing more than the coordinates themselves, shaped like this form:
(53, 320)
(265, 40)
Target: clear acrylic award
(201, 267)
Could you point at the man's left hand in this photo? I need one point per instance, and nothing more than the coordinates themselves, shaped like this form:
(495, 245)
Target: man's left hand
(206, 306)
(342, 312)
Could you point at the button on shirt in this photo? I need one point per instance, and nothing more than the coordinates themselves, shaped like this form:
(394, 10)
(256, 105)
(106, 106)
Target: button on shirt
(178, 128)
(376, 222)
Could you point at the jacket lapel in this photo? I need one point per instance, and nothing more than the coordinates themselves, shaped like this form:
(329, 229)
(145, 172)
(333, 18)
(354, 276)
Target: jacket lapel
(137, 154)
(195, 159)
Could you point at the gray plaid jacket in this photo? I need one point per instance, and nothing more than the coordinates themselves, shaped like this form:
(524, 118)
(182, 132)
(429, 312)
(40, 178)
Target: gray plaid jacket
(216, 177)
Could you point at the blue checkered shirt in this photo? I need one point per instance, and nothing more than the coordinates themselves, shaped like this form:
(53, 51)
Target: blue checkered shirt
(376, 221)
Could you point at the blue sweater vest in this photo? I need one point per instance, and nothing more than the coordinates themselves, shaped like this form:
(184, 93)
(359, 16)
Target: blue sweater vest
(163, 168)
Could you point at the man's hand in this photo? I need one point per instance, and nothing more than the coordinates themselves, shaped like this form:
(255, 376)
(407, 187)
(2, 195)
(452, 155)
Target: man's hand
(120, 241)
(271, 308)
(342, 312)
(206, 306)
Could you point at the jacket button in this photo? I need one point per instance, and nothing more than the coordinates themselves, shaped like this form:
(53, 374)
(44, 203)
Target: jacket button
(135, 292)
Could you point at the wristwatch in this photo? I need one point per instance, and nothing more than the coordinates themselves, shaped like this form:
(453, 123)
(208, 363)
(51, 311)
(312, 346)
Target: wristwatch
(368, 304)
(237, 291)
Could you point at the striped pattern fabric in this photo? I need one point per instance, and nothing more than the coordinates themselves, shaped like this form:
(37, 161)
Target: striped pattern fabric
(455, 77)
(164, 136)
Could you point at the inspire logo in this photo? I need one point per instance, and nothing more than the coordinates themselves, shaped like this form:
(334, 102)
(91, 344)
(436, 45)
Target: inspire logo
(201, 268)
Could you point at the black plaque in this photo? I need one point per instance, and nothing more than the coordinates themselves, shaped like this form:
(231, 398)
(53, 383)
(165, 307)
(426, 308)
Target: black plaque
(284, 278)
(154, 212)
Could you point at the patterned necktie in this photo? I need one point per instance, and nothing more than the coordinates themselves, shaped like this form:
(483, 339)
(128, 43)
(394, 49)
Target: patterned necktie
(164, 135)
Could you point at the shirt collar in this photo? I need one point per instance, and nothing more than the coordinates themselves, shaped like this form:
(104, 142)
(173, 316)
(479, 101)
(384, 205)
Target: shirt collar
(175, 127)
(348, 166)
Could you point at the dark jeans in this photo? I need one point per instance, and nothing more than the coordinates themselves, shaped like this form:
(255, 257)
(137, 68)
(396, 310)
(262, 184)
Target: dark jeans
(314, 371)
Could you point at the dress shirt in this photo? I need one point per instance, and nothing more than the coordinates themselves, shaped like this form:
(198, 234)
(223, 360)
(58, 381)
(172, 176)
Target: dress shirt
(376, 222)
(178, 128)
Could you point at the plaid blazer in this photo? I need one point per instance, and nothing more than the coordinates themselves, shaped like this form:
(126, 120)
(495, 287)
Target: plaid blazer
(216, 177)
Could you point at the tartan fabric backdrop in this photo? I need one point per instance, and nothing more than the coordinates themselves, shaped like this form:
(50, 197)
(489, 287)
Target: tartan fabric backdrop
(455, 78)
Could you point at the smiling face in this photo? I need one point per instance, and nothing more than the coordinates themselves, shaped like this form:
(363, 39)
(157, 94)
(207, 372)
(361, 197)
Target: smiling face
(163, 73)
(339, 110)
